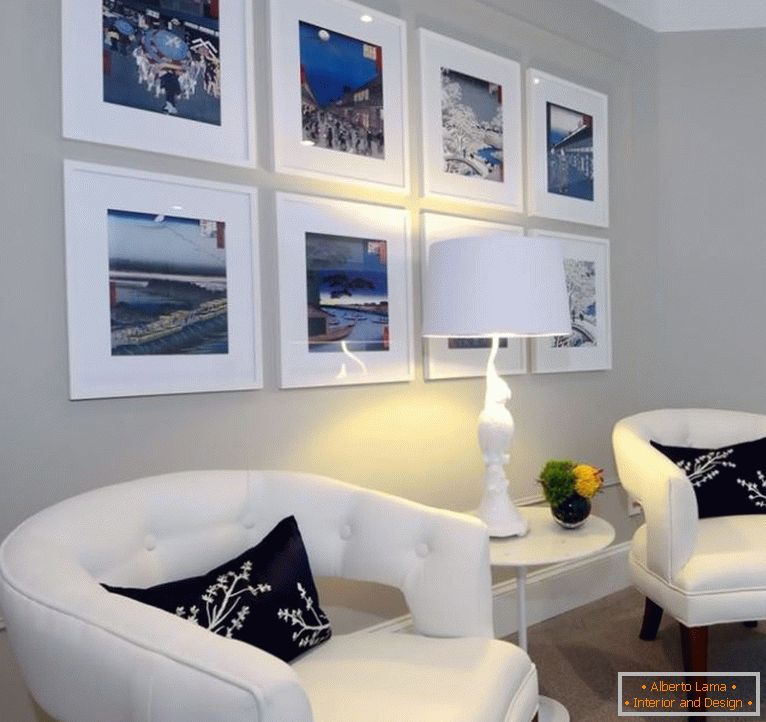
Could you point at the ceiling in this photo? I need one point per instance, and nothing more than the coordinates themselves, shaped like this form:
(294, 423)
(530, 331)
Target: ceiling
(682, 15)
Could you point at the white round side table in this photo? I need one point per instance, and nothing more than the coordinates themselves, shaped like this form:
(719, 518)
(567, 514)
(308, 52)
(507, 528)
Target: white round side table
(546, 543)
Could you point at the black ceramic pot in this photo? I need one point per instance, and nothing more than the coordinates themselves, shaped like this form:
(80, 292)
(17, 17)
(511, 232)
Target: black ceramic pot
(572, 512)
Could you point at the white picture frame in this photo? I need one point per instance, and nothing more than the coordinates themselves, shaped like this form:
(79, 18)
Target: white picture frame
(471, 99)
(339, 129)
(583, 256)
(567, 150)
(163, 291)
(442, 359)
(326, 342)
(117, 86)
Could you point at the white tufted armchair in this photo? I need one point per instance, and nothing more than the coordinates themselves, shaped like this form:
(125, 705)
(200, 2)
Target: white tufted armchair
(91, 656)
(701, 571)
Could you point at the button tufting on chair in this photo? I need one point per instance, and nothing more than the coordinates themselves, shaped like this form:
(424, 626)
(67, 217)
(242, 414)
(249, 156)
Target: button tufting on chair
(150, 542)
(422, 550)
(345, 532)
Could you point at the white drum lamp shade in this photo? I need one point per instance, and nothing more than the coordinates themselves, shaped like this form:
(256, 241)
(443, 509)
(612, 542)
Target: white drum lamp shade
(500, 284)
(493, 286)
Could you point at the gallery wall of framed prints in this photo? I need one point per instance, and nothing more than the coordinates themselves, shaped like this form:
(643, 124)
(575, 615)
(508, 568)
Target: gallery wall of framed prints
(163, 279)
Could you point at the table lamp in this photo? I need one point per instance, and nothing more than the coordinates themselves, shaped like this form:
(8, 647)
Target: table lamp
(493, 286)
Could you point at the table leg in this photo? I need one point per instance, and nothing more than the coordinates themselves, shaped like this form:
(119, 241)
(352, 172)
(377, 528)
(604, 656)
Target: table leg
(521, 602)
(550, 709)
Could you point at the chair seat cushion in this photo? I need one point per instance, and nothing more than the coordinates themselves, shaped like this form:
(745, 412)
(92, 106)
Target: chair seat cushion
(380, 677)
(728, 556)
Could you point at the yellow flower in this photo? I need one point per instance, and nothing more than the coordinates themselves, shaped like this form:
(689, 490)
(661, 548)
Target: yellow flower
(588, 480)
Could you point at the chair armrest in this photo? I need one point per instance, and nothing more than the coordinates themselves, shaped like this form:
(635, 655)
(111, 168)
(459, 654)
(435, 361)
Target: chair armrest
(452, 596)
(667, 498)
(127, 660)
(438, 559)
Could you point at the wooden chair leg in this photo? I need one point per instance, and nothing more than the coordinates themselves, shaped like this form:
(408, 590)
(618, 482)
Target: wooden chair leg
(652, 619)
(694, 644)
(694, 648)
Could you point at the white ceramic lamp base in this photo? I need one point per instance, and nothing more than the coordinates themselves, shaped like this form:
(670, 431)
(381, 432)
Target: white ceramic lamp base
(496, 429)
(496, 509)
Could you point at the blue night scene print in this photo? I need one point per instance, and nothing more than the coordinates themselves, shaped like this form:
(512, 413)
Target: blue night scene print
(341, 92)
(347, 293)
(570, 152)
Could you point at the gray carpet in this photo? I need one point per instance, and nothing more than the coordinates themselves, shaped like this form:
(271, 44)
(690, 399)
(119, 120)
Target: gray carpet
(578, 655)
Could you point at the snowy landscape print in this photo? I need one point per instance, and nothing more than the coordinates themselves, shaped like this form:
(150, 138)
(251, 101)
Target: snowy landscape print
(167, 285)
(581, 288)
(341, 92)
(472, 126)
(346, 293)
(570, 152)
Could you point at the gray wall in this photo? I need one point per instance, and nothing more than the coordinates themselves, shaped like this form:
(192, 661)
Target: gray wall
(415, 439)
(711, 234)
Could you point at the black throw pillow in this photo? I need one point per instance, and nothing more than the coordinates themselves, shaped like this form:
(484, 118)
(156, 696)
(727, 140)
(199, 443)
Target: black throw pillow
(727, 481)
(265, 597)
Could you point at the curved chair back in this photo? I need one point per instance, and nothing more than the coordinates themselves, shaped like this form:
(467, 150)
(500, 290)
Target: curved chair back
(167, 527)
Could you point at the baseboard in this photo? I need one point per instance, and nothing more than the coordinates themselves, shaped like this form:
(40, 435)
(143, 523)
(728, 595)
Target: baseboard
(560, 588)
(551, 591)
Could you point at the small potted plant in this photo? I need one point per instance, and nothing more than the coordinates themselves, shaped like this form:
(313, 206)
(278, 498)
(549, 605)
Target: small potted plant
(568, 486)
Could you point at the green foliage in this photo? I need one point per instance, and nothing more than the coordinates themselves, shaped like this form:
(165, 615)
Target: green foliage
(558, 480)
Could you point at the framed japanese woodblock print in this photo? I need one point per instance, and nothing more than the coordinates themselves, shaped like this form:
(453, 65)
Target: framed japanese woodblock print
(162, 284)
(568, 150)
(589, 347)
(164, 77)
(471, 123)
(339, 91)
(344, 292)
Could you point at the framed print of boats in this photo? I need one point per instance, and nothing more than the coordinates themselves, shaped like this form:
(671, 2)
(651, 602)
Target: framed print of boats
(463, 357)
(339, 91)
(589, 347)
(471, 123)
(344, 292)
(165, 77)
(568, 150)
(162, 284)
